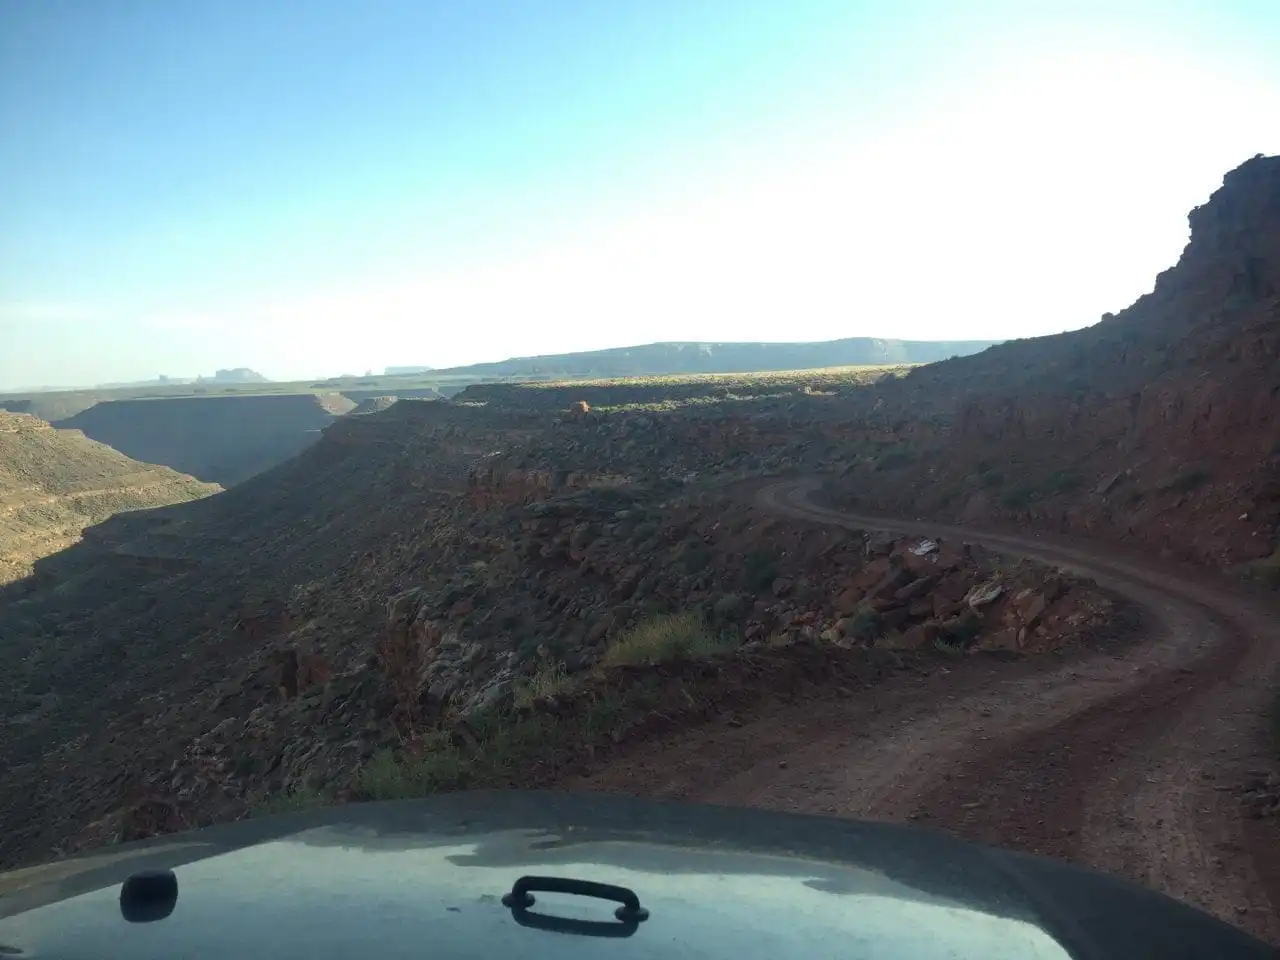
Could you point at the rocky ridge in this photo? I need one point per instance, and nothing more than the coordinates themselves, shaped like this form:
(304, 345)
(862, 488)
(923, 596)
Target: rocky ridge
(1157, 425)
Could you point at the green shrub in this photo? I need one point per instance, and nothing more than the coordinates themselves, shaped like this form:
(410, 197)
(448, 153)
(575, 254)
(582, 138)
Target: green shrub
(290, 801)
(439, 765)
(991, 478)
(867, 624)
(1026, 493)
(949, 647)
(695, 557)
(760, 569)
(893, 460)
(949, 495)
(964, 630)
(1062, 481)
(660, 639)
(1017, 497)
(549, 682)
(603, 716)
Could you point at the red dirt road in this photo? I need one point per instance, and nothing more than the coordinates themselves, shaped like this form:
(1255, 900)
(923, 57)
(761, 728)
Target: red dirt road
(1131, 763)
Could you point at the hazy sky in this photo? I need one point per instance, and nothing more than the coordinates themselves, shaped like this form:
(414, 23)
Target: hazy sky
(324, 186)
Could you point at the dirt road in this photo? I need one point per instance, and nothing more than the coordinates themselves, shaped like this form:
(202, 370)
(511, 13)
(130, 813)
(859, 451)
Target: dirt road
(1131, 763)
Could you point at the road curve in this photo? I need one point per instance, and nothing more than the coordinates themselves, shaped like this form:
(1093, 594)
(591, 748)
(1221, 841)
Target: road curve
(1131, 763)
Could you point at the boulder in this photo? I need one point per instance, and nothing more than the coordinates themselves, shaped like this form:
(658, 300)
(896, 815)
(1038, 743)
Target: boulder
(600, 629)
(871, 574)
(892, 582)
(1031, 607)
(944, 608)
(984, 594)
(849, 601)
(1006, 639)
(915, 589)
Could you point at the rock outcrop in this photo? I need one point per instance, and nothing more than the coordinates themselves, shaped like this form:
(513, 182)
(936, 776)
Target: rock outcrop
(1158, 425)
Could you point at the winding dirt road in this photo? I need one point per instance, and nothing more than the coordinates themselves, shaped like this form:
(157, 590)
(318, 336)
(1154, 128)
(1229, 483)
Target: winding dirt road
(1129, 762)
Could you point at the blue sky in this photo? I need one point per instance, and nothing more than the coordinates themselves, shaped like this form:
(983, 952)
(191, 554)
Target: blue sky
(325, 186)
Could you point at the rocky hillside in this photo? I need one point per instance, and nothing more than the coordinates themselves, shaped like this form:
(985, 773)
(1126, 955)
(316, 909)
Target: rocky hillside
(430, 564)
(1158, 425)
(219, 439)
(54, 483)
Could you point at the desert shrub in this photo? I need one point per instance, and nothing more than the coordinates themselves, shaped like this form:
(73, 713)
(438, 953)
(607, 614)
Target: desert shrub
(663, 638)
(695, 557)
(495, 759)
(487, 722)
(760, 568)
(867, 624)
(1062, 481)
(949, 495)
(550, 681)
(893, 460)
(493, 747)
(990, 478)
(290, 801)
(437, 765)
(951, 648)
(963, 631)
(1017, 497)
(1026, 493)
(603, 716)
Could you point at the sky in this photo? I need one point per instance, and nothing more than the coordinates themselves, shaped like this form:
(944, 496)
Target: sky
(315, 187)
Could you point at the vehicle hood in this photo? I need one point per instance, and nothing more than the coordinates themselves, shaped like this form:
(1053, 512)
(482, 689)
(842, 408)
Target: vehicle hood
(427, 878)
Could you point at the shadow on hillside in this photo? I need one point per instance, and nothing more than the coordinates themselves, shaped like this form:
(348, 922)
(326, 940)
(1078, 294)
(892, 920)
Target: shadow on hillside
(123, 550)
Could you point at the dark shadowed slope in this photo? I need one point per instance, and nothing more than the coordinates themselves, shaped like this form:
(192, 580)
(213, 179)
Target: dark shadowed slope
(54, 483)
(220, 439)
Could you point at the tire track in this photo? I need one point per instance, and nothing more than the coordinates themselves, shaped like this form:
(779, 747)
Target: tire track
(1126, 763)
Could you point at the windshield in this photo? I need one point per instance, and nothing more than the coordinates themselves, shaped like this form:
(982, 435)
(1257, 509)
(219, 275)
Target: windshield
(861, 410)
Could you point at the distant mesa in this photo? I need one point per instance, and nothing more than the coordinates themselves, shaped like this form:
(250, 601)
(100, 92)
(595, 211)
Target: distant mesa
(664, 359)
(238, 375)
(406, 371)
